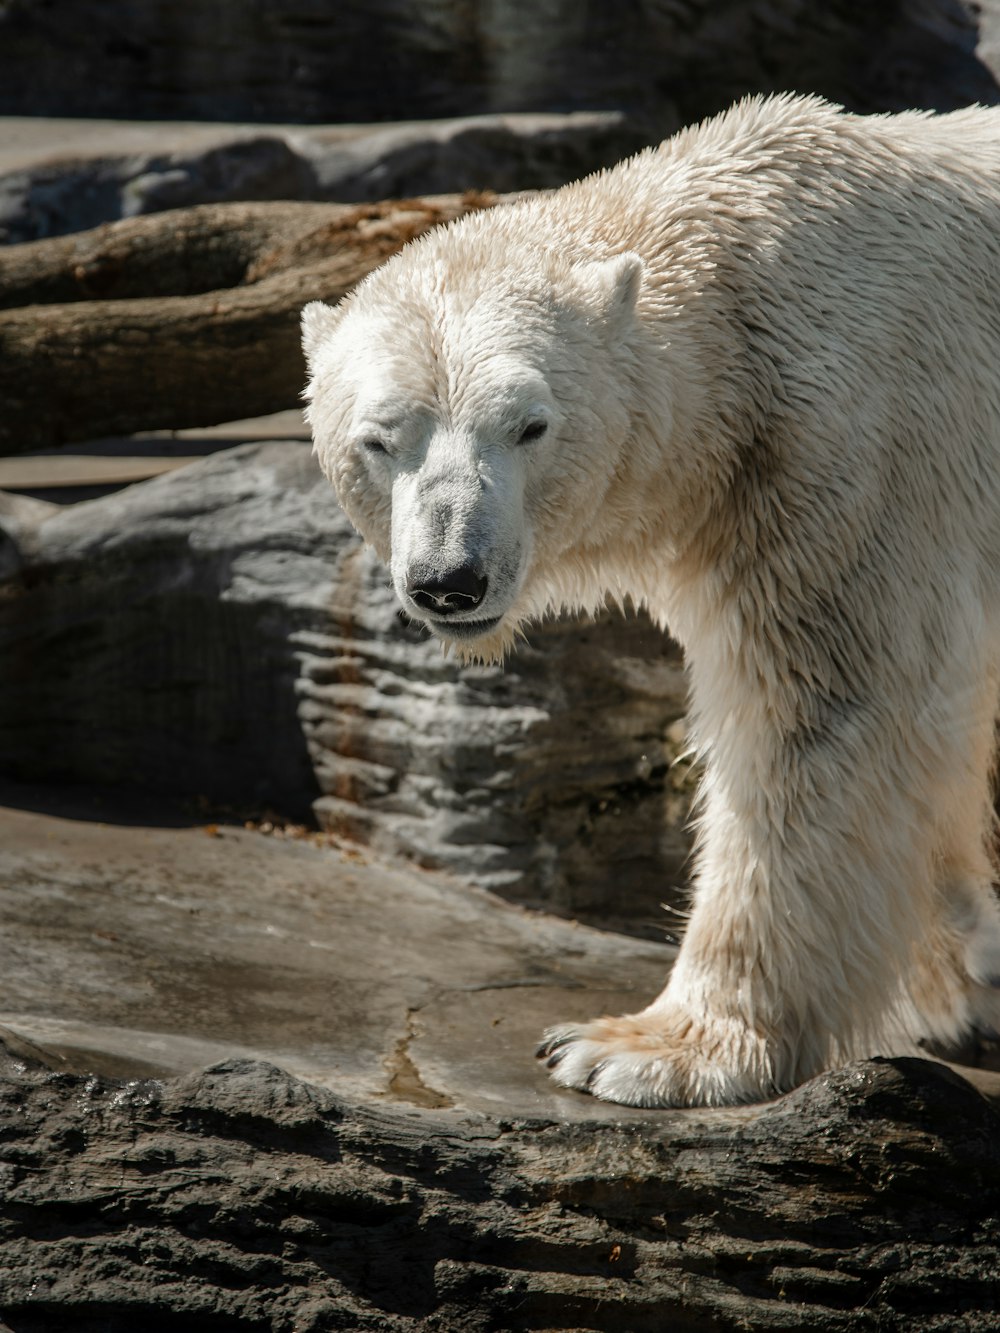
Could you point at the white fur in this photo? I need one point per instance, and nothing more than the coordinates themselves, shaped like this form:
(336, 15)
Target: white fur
(767, 355)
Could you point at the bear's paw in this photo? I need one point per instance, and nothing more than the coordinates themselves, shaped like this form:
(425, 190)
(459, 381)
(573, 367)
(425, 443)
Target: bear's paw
(660, 1058)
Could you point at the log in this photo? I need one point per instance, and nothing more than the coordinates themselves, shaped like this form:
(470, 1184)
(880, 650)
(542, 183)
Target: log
(196, 316)
(178, 253)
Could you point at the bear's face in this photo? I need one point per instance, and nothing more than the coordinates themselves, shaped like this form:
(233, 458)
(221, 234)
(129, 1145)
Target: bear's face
(470, 437)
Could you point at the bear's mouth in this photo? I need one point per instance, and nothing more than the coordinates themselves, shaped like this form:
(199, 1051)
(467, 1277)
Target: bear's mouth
(465, 629)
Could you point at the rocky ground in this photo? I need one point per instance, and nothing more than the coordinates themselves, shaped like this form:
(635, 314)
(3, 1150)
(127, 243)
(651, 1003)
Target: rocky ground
(155, 948)
(255, 1083)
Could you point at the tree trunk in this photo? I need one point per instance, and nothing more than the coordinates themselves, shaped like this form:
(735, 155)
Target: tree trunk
(181, 319)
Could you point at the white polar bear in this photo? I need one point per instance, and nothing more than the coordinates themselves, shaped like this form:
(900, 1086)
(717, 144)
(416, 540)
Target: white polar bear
(751, 379)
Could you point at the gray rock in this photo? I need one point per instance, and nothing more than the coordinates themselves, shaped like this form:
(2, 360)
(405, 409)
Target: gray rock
(49, 187)
(221, 631)
(241, 1198)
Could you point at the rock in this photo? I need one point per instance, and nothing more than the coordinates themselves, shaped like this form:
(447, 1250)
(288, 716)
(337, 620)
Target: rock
(221, 631)
(373, 62)
(137, 945)
(242, 1198)
(50, 187)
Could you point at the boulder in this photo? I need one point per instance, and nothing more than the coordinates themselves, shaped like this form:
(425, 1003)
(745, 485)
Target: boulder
(221, 631)
(61, 177)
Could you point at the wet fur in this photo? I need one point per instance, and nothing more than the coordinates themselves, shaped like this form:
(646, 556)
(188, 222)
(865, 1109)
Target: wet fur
(771, 350)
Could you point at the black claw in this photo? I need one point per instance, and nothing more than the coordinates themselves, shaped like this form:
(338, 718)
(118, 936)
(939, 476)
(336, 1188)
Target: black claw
(553, 1044)
(594, 1075)
(554, 1059)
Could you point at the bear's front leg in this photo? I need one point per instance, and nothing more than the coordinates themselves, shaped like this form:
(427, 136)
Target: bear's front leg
(741, 1019)
(810, 893)
(715, 1036)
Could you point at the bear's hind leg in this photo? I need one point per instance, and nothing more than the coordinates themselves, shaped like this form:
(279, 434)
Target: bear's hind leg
(953, 988)
(954, 984)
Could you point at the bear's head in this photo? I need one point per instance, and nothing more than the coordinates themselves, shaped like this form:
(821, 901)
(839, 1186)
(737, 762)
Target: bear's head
(470, 402)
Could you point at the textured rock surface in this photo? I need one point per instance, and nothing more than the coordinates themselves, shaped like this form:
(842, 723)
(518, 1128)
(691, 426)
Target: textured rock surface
(221, 631)
(303, 60)
(241, 1199)
(58, 177)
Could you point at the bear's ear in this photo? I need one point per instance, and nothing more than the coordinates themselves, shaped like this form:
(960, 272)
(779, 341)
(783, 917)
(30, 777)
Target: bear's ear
(318, 320)
(614, 285)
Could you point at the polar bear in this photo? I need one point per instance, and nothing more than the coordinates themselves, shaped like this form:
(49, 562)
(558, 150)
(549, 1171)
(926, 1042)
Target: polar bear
(751, 380)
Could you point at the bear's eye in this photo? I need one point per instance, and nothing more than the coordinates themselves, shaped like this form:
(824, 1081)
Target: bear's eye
(534, 430)
(373, 445)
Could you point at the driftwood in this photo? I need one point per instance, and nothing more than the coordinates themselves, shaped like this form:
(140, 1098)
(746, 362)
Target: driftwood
(181, 319)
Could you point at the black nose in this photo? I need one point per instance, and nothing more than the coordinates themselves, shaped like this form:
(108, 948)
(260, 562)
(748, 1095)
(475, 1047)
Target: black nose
(447, 593)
